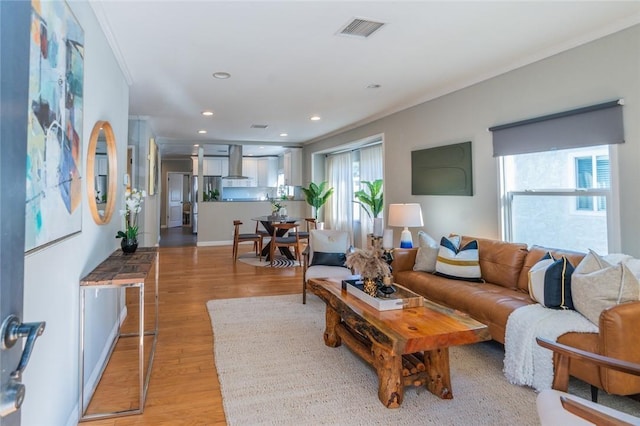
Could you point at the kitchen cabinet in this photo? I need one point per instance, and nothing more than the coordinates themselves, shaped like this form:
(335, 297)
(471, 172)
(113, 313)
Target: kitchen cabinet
(293, 167)
(268, 172)
(215, 166)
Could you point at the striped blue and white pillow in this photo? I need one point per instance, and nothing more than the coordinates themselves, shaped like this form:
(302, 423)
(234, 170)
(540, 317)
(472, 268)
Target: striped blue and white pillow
(550, 282)
(458, 263)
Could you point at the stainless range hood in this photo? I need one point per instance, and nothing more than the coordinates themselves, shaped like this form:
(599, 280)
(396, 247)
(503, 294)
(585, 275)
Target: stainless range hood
(235, 163)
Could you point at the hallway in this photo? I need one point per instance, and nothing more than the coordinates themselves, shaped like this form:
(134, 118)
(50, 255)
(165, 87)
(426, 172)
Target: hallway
(180, 236)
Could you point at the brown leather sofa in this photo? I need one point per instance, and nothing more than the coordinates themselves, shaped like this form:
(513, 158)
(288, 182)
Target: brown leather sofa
(505, 267)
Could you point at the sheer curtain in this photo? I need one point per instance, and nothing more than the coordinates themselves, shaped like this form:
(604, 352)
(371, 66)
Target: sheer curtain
(339, 208)
(370, 170)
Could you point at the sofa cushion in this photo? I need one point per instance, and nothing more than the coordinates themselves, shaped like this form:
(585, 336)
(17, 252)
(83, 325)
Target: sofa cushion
(598, 285)
(458, 262)
(550, 282)
(427, 255)
(535, 253)
(500, 261)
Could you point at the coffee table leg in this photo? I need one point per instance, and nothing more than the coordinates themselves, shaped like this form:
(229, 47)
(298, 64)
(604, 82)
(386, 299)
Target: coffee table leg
(331, 338)
(389, 369)
(437, 368)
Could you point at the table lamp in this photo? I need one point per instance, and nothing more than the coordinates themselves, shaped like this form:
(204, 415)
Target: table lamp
(405, 215)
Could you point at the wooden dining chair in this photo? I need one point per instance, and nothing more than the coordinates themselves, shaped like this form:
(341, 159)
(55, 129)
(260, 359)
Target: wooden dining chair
(304, 235)
(262, 232)
(285, 240)
(241, 238)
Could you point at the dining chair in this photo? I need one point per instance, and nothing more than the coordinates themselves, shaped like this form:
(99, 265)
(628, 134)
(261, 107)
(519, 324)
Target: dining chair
(304, 235)
(262, 232)
(285, 240)
(241, 238)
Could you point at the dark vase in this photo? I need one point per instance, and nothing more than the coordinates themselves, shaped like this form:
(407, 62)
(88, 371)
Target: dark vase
(129, 246)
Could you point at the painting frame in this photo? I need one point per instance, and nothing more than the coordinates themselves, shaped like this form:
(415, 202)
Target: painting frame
(153, 167)
(443, 170)
(53, 205)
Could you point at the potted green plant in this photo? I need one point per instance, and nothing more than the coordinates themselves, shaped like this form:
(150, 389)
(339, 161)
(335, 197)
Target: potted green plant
(372, 202)
(133, 205)
(317, 195)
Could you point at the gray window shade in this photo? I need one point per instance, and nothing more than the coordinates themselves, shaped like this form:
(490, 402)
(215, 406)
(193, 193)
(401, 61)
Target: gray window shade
(595, 125)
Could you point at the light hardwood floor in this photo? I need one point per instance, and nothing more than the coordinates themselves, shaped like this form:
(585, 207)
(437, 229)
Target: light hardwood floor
(184, 387)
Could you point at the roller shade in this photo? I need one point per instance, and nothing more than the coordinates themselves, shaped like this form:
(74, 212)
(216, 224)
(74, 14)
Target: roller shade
(594, 125)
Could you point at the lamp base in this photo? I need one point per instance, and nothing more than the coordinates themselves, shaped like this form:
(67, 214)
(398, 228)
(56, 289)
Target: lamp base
(405, 239)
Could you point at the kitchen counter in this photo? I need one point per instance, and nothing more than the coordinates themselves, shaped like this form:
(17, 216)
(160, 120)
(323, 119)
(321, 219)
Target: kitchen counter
(215, 218)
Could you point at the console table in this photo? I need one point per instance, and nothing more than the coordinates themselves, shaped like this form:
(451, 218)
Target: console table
(121, 271)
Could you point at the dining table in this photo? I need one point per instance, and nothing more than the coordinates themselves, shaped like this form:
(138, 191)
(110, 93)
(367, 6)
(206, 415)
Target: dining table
(267, 222)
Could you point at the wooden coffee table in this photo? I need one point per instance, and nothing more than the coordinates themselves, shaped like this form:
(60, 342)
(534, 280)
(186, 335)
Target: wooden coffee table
(406, 347)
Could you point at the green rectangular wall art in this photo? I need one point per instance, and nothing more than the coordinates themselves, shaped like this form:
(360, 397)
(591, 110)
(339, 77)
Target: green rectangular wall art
(444, 170)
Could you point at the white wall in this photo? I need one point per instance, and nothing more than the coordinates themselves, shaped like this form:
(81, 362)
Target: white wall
(603, 70)
(51, 291)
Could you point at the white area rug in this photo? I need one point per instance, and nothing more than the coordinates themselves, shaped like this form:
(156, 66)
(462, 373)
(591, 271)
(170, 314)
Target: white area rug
(274, 368)
(278, 262)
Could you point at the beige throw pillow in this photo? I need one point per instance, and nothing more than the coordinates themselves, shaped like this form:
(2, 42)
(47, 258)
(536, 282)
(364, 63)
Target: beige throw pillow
(427, 255)
(597, 285)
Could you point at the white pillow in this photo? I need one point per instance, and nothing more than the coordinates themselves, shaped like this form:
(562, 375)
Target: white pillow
(596, 285)
(327, 241)
(427, 255)
(458, 263)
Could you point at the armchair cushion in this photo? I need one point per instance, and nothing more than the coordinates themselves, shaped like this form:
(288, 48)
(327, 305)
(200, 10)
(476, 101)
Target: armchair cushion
(327, 241)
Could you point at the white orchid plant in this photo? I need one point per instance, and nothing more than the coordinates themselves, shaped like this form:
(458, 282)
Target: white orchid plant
(133, 200)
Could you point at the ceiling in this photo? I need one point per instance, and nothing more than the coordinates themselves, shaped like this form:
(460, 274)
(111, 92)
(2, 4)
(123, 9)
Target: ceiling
(287, 61)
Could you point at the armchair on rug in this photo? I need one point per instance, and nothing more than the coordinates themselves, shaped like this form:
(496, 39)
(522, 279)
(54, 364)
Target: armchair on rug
(556, 407)
(324, 257)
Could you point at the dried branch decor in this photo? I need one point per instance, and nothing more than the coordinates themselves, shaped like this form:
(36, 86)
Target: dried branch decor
(369, 263)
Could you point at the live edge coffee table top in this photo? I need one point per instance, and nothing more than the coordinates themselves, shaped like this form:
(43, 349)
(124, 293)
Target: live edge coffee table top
(388, 339)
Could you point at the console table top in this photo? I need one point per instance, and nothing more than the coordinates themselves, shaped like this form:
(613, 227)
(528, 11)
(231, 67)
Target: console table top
(122, 269)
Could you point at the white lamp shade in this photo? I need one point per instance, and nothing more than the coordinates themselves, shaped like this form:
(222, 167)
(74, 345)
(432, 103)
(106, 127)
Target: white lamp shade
(407, 215)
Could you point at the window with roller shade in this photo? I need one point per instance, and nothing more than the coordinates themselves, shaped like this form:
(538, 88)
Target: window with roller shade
(556, 179)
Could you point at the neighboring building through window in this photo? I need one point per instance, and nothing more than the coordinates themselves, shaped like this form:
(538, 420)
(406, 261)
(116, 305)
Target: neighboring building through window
(557, 198)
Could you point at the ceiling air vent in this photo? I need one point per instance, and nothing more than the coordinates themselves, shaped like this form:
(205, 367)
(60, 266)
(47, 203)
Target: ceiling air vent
(361, 28)
(259, 126)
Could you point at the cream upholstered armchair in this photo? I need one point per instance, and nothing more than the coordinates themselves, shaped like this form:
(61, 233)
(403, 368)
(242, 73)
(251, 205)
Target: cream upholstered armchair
(324, 257)
(558, 408)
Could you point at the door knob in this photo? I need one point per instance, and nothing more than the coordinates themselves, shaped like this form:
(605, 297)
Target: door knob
(10, 332)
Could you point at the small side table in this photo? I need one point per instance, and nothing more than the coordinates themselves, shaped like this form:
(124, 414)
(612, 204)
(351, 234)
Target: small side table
(122, 271)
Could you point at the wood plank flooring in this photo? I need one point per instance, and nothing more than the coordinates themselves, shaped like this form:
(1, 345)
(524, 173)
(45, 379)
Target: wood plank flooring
(184, 387)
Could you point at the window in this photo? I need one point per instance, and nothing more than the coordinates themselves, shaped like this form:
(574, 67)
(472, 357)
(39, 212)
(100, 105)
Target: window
(592, 172)
(557, 198)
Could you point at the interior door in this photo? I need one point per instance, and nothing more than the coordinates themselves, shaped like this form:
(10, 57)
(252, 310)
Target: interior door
(14, 80)
(174, 200)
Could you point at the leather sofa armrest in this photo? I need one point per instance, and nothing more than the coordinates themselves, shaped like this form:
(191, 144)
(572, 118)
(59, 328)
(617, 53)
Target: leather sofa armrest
(617, 325)
(404, 259)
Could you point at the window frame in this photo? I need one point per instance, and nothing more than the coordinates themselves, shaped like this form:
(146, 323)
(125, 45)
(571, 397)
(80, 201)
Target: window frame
(612, 197)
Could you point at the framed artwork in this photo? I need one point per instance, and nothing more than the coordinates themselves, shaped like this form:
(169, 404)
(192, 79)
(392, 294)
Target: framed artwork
(54, 141)
(444, 170)
(153, 166)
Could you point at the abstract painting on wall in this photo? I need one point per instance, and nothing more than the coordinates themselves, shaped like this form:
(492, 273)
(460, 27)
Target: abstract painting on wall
(54, 143)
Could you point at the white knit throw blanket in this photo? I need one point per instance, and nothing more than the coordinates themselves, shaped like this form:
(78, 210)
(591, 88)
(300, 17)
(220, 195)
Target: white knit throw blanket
(526, 362)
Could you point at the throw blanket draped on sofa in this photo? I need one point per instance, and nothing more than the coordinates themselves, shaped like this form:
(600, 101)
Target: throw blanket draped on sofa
(526, 362)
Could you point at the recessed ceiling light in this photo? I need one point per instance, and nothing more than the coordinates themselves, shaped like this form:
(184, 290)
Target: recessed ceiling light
(314, 118)
(284, 134)
(207, 113)
(221, 75)
(196, 145)
(373, 86)
(262, 147)
(202, 132)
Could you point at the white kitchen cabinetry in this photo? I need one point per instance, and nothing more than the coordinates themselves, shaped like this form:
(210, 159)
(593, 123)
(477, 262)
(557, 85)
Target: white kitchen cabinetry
(215, 167)
(293, 167)
(268, 172)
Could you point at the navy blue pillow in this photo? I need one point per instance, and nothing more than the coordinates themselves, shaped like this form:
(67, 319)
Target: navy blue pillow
(550, 282)
(328, 259)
